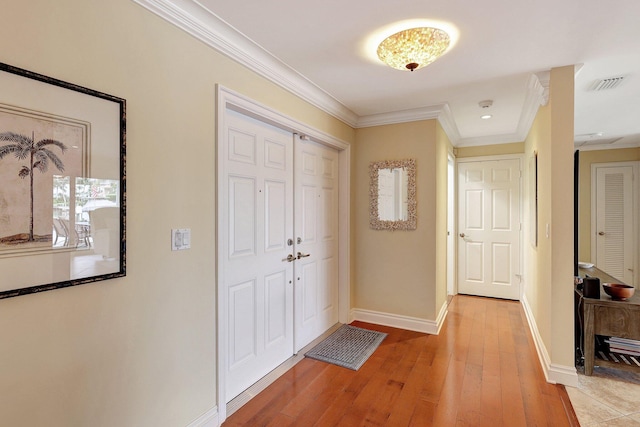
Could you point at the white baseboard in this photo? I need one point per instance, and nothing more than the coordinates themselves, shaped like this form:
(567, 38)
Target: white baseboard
(555, 374)
(442, 316)
(208, 419)
(400, 321)
(565, 375)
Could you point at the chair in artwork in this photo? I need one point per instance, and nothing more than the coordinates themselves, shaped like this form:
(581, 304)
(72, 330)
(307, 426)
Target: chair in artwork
(83, 235)
(61, 232)
(78, 235)
(71, 236)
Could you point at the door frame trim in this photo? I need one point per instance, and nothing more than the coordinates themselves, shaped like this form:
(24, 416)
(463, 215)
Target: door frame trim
(516, 156)
(227, 98)
(452, 226)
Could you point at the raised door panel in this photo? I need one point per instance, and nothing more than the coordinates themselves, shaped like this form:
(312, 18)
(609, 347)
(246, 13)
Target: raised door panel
(309, 287)
(242, 220)
(309, 221)
(275, 308)
(275, 202)
(242, 320)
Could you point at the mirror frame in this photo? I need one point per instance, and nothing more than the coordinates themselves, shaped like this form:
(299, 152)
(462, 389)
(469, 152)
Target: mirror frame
(374, 218)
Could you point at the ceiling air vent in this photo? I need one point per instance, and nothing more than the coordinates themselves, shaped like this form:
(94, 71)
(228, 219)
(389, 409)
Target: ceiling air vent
(606, 141)
(609, 83)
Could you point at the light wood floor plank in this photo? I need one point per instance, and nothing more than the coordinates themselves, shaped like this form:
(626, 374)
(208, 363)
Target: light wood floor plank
(481, 370)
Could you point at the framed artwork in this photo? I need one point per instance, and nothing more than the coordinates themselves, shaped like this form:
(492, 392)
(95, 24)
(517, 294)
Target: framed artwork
(62, 184)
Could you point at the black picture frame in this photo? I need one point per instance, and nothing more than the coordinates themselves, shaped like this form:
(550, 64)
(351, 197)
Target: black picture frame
(67, 144)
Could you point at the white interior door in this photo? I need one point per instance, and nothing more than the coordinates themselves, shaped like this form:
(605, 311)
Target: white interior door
(316, 231)
(489, 228)
(257, 211)
(614, 222)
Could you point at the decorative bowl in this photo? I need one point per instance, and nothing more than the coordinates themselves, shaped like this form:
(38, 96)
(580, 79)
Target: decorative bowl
(618, 291)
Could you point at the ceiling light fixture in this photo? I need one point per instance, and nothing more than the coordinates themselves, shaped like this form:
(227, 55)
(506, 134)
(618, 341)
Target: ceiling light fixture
(486, 116)
(413, 48)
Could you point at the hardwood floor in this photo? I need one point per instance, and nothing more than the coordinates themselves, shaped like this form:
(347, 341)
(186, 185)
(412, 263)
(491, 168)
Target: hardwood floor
(481, 370)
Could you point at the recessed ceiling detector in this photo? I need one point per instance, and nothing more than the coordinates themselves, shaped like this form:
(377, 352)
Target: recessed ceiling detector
(413, 48)
(487, 103)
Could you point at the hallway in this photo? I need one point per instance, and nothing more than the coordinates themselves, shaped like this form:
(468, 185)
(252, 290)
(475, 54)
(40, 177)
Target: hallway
(482, 370)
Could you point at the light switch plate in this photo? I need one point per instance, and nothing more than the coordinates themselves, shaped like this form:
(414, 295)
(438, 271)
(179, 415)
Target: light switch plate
(180, 239)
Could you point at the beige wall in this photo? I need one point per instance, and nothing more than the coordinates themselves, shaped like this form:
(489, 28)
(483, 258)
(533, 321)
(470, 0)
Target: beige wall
(535, 293)
(395, 271)
(587, 158)
(139, 350)
(549, 266)
(561, 94)
(490, 150)
(443, 148)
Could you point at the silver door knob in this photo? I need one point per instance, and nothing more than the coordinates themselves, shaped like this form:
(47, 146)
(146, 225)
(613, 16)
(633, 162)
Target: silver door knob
(290, 258)
(301, 255)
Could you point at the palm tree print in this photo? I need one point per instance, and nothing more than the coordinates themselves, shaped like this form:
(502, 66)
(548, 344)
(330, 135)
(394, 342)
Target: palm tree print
(38, 155)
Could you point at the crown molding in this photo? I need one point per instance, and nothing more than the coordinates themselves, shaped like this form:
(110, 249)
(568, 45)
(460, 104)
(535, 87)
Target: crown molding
(449, 125)
(403, 116)
(197, 21)
(441, 112)
(488, 140)
(614, 146)
(544, 78)
(534, 98)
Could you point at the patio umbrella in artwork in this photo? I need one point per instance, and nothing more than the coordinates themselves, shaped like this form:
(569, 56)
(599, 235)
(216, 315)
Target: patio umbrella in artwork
(94, 204)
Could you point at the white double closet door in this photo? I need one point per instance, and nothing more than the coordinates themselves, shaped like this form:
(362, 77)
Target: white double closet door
(280, 245)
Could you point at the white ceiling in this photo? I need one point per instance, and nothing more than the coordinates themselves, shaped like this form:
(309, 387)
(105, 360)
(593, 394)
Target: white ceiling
(504, 51)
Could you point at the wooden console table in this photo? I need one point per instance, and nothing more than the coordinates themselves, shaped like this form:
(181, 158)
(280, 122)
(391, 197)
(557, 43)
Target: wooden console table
(604, 316)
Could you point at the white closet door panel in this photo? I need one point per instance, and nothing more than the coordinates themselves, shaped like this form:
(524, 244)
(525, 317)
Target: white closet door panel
(316, 277)
(257, 222)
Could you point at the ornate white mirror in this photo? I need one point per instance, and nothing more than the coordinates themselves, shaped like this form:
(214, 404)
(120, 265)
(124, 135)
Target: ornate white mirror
(392, 192)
